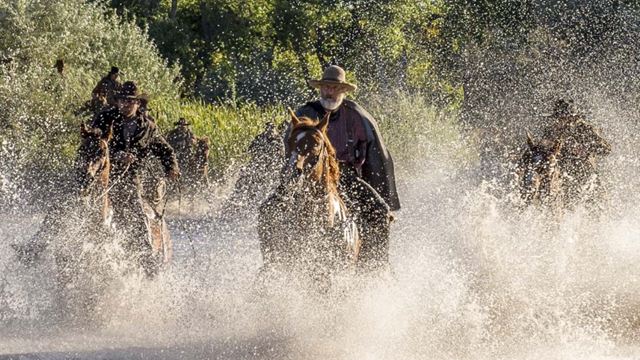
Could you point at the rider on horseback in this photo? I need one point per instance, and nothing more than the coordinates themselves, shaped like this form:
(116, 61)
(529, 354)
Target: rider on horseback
(581, 144)
(367, 180)
(104, 94)
(135, 137)
(182, 139)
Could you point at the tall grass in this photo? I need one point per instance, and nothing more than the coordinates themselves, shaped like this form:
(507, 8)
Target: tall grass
(415, 130)
(230, 126)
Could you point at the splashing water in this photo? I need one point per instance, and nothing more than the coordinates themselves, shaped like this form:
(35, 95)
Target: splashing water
(473, 279)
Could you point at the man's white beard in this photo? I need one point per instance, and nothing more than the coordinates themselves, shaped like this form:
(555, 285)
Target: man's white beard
(331, 104)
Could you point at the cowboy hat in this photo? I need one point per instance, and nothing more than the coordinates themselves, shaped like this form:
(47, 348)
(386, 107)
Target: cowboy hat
(129, 90)
(115, 70)
(563, 108)
(333, 75)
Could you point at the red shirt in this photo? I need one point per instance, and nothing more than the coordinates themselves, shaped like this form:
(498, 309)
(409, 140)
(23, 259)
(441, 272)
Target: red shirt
(339, 136)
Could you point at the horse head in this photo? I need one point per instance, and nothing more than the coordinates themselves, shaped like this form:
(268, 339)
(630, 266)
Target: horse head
(92, 162)
(310, 153)
(203, 145)
(305, 221)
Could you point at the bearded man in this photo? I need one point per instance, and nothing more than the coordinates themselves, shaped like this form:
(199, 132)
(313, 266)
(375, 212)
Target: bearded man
(367, 179)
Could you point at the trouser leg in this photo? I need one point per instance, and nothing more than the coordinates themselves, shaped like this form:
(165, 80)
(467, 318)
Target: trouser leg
(373, 221)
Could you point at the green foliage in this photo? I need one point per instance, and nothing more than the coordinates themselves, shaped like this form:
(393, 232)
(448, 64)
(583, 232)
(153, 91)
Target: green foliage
(230, 127)
(38, 106)
(265, 50)
(410, 126)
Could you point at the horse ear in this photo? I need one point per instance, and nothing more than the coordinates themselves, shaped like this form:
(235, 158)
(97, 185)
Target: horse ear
(529, 140)
(324, 123)
(203, 140)
(84, 132)
(294, 118)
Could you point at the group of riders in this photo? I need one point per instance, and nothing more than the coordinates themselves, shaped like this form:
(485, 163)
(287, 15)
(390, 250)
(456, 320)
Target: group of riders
(367, 180)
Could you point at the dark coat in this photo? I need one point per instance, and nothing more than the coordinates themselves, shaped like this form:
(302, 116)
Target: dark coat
(104, 92)
(377, 169)
(145, 139)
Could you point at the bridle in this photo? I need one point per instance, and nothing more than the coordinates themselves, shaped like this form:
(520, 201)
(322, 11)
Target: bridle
(302, 133)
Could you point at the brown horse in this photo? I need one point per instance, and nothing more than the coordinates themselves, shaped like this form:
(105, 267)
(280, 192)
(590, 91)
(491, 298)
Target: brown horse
(540, 181)
(304, 224)
(93, 172)
(78, 258)
(93, 166)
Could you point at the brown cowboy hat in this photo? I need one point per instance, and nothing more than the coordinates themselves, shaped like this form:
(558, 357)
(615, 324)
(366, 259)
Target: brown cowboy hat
(562, 108)
(129, 90)
(333, 75)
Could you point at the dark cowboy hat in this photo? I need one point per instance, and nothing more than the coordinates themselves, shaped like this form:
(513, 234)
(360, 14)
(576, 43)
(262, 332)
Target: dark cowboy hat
(333, 75)
(181, 122)
(129, 90)
(115, 70)
(562, 108)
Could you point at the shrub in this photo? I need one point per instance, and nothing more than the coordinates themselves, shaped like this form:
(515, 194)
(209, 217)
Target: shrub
(37, 105)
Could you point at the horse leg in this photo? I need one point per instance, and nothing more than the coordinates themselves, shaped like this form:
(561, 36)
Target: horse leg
(130, 215)
(374, 253)
(374, 218)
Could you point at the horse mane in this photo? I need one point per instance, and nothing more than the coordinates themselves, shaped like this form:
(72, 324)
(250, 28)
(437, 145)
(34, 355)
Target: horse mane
(331, 175)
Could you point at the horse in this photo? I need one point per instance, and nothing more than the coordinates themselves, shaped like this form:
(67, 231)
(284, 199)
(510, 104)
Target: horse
(79, 259)
(89, 183)
(93, 166)
(193, 159)
(304, 225)
(94, 180)
(540, 181)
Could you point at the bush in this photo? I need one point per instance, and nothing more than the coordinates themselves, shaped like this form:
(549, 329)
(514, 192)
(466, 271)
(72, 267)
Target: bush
(37, 105)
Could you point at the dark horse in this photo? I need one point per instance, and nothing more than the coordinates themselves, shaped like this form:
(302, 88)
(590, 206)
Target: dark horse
(201, 160)
(79, 260)
(93, 183)
(93, 167)
(304, 224)
(540, 181)
(193, 158)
